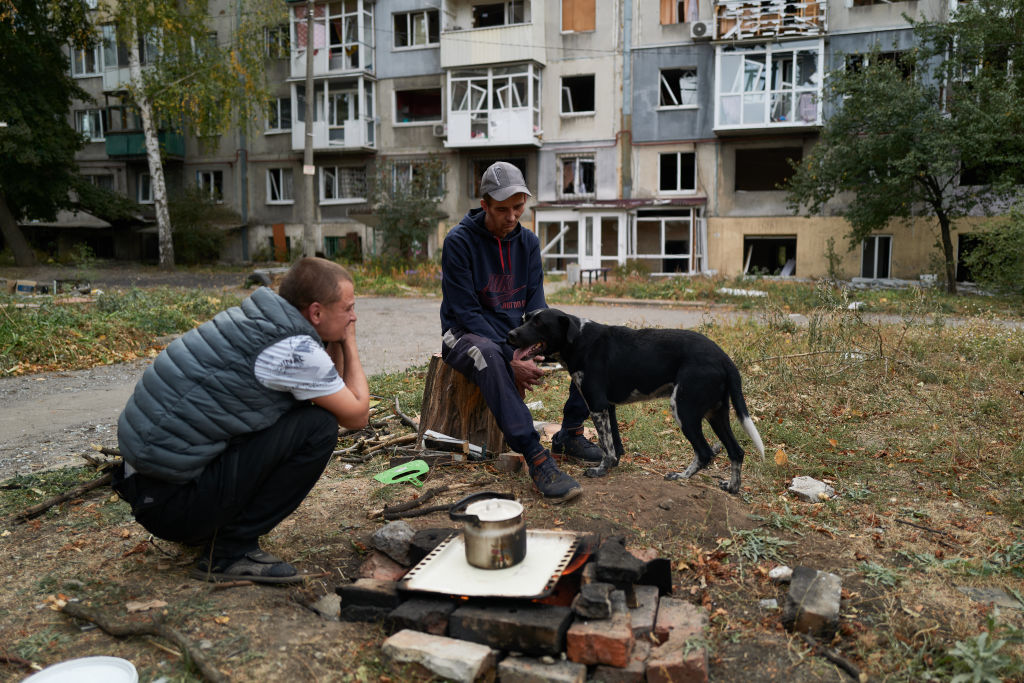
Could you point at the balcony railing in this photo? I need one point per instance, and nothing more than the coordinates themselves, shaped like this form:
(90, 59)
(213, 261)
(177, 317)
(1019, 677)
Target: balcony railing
(124, 144)
(492, 45)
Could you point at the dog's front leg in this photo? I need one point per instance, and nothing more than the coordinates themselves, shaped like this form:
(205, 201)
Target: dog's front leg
(603, 423)
(694, 467)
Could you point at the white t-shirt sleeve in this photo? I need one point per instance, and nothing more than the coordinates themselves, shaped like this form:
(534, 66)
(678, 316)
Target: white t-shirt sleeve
(298, 365)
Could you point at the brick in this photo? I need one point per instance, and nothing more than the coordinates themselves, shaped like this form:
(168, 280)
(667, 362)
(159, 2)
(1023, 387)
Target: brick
(678, 662)
(634, 672)
(602, 641)
(445, 657)
(530, 670)
(424, 541)
(646, 611)
(370, 592)
(643, 554)
(678, 618)
(532, 629)
(379, 566)
(363, 613)
(421, 614)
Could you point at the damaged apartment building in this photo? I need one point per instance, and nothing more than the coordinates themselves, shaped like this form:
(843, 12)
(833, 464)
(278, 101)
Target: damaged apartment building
(654, 131)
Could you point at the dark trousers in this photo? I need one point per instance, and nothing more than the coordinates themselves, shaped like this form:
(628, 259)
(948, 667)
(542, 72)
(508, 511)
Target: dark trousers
(486, 364)
(254, 484)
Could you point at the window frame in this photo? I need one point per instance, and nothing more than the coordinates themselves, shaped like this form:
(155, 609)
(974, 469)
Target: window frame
(78, 58)
(664, 84)
(277, 41)
(419, 122)
(562, 90)
(97, 114)
(678, 190)
(338, 172)
(279, 107)
(212, 180)
(569, 10)
(750, 89)
(577, 161)
(410, 30)
(144, 188)
(875, 239)
(508, 13)
(280, 185)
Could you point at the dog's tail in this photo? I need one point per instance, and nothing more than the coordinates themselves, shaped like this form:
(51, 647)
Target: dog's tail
(738, 402)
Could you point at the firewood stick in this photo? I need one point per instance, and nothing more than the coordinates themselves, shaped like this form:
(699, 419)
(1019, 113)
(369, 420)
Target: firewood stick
(416, 502)
(391, 516)
(148, 628)
(406, 420)
(40, 508)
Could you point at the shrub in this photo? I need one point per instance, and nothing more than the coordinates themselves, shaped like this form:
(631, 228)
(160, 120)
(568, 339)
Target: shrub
(995, 261)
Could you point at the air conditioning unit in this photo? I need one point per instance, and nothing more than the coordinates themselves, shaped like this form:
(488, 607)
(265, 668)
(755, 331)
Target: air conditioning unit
(440, 130)
(702, 30)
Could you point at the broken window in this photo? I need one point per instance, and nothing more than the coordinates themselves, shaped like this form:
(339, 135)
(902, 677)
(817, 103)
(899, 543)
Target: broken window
(578, 94)
(577, 176)
(673, 12)
(875, 256)
(766, 168)
(560, 243)
(664, 238)
(769, 255)
(677, 172)
(499, 13)
(212, 184)
(902, 62)
(417, 106)
(280, 188)
(773, 84)
(414, 29)
(678, 88)
(578, 15)
(341, 182)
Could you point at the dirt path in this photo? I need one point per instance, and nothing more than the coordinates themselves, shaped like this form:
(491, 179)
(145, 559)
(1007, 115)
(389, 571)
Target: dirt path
(49, 419)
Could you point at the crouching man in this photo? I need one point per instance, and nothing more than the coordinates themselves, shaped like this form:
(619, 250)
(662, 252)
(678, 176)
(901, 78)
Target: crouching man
(233, 423)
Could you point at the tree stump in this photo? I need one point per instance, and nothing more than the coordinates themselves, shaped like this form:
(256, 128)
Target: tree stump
(454, 406)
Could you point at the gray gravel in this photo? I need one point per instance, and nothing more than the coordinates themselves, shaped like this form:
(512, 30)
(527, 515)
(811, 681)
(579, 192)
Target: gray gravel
(49, 419)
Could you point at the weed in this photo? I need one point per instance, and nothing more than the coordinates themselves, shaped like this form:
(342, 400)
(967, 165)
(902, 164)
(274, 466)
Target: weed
(876, 574)
(754, 545)
(983, 659)
(40, 642)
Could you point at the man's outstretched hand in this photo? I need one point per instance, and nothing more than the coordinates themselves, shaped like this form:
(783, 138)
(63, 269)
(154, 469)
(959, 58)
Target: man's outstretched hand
(526, 372)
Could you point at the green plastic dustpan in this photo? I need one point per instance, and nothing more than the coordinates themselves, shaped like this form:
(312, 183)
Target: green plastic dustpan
(407, 471)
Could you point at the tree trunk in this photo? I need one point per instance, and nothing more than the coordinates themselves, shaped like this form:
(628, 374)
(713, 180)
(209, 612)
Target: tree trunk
(156, 167)
(947, 252)
(454, 406)
(13, 237)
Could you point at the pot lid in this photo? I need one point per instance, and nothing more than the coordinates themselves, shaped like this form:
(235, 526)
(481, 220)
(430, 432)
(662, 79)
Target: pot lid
(495, 509)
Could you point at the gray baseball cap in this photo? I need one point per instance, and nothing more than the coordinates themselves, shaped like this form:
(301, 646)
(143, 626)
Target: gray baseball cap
(501, 180)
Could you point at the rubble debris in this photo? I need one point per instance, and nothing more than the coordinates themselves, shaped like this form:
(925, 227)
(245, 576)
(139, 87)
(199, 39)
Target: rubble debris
(812, 604)
(810, 489)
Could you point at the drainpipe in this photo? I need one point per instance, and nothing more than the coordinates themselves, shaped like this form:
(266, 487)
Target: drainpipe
(309, 245)
(626, 139)
(243, 168)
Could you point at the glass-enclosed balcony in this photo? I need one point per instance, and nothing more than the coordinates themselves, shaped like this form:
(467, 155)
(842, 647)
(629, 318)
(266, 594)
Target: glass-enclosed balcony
(495, 106)
(747, 20)
(342, 37)
(768, 86)
(344, 115)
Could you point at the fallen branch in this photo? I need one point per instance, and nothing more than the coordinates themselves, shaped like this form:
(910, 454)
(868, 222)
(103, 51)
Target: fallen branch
(414, 503)
(922, 528)
(36, 510)
(832, 656)
(12, 659)
(405, 419)
(153, 627)
(391, 516)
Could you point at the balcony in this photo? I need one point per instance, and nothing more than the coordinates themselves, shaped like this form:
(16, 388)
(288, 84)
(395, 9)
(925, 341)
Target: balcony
(492, 107)
(492, 45)
(128, 144)
(350, 119)
(771, 19)
(353, 134)
(343, 38)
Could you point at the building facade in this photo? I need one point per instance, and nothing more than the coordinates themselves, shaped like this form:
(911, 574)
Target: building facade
(654, 131)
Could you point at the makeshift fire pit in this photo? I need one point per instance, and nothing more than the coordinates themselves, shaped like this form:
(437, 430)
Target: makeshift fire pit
(574, 609)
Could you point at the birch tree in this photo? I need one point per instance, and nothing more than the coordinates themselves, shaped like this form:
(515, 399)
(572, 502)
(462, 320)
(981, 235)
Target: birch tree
(186, 81)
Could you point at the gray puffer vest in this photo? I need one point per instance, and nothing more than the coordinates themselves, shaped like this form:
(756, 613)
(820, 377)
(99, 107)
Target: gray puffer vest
(202, 390)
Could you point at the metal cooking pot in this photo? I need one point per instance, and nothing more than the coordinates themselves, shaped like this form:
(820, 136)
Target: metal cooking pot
(495, 531)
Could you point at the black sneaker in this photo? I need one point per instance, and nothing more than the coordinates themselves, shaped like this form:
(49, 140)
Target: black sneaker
(555, 485)
(572, 444)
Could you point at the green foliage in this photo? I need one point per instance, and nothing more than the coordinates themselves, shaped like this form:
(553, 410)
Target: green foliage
(406, 197)
(995, 261)
(199, 226)
(876, 574)
(901, 133)
(37, 148)
(755, 545)
(984, 658)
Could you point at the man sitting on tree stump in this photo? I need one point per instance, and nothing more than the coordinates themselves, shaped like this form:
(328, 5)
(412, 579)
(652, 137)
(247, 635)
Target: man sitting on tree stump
(491, 275)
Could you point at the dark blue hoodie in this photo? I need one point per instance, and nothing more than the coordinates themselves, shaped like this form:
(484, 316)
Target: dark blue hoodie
(487, 283)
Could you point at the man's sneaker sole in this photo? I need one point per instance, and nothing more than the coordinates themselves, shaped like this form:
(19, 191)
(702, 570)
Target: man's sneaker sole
(571, 494)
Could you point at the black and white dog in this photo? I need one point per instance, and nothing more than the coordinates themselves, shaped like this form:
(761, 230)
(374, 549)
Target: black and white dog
(612, 365)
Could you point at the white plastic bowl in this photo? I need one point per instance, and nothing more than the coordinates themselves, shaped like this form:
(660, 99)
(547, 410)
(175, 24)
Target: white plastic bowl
(88, 670)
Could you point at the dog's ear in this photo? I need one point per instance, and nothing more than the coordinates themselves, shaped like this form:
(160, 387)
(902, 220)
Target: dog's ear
(570, 327)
